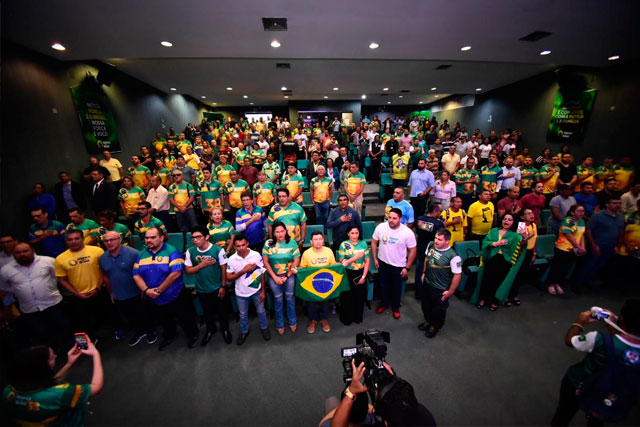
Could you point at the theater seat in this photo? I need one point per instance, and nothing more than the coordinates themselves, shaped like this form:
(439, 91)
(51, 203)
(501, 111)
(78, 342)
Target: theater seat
(465, 250)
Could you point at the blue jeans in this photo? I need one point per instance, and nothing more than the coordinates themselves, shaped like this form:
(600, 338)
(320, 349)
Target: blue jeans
(286, 290)
(322, 212)
(313, 311)
(243, 308)
(390, 285)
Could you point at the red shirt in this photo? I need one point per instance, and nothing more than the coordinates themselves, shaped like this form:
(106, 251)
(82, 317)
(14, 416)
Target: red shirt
(507, 204)
(249, 174)
(535, 203)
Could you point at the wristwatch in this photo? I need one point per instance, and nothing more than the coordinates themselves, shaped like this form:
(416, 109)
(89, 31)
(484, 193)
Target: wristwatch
(349, 394)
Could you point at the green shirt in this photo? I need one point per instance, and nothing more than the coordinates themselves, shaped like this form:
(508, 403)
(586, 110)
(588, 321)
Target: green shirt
(208, 279)
(441, 266)
(59, 405)
(292, 217)
(122, 229)
(264, 193)
(209, 194)
(528, 181)
(234, 191)
(348, 250)
(281, 255)
(140, 227)
(489, 177)
(271, 169)
(465, 175)
(180, 193)
(88, 226)
(221, 234)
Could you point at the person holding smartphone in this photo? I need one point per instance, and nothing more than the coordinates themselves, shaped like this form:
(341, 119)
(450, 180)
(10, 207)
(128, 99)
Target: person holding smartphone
(37, 396)
(354, 255)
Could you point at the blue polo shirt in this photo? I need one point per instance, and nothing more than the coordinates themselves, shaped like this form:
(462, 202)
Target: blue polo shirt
(420, 181)
(53, 245)
(154, 268)
(119, 270)
(606, 229)
(589, 202)
(405, 207)
(255, 230)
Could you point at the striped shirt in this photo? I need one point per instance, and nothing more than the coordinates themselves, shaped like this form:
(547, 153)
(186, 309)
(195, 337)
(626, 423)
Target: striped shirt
(154, 268)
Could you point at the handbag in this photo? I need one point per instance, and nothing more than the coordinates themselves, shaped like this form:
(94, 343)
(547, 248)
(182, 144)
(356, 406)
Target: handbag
(472, 260)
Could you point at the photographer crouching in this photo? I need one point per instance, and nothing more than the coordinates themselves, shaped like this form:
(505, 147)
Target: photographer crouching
(368, 375)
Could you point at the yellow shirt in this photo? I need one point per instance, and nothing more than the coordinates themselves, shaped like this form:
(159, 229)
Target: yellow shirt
(456, 230)
(352, 186)
(321, 189)
(400, 166)
(112, 166)
(531, 243)
(481, 217)
(192, 160)
(81, 268)
(311, 258)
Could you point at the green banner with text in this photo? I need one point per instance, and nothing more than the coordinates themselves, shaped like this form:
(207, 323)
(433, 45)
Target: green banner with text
(570, 116)
(96, 117)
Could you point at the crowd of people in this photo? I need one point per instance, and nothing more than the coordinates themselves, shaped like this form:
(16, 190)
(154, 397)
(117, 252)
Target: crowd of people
(236, 194)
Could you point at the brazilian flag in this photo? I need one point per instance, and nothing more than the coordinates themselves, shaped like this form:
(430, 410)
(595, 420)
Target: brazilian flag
(321, 283)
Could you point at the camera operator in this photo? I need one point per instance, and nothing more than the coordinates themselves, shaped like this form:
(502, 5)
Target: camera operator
(395, 401)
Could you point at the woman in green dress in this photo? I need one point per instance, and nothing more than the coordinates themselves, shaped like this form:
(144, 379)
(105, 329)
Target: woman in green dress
(354, 255)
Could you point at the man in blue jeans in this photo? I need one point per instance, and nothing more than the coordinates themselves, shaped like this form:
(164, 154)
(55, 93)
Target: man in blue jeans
(246, 268)
(393, 247)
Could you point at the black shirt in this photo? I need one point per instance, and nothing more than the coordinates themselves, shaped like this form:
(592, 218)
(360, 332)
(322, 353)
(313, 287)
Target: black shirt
(426, 227)
(391, 147)
(567, 172)
(289, 147)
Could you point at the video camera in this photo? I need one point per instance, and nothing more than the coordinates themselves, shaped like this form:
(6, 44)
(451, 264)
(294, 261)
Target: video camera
(371, 348)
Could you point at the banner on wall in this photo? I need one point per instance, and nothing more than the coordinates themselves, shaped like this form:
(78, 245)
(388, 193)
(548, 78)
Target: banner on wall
(96, 117)
(570, 116)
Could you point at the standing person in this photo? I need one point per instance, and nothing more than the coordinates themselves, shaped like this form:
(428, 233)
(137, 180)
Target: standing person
(421, 182)
(630, 200)
(281, 257)
(568, 173)
(38, 396)
(272, 169)
(624, 173)
(455, 220)
(232, 191)
(317, 256)
(248, 172)
(207, 262)
(139, 173)
(531, 237)
(586, 198)
(528, 176)
(450, 160)
(444, 190)
(116, 171)
(146, 221)
(246, 268)
(354, 255)
(209, 190)
(104, 195)
(116, 265)
(510, 203)
(510, 177)
(441, 271)
(158, 274)
(294, 182)
(46, 234)
(31, 279)
(182, 197)
(559, 205)
(400, 167)
(223, 169)
(585, 173)
(107, 221)
(534, 201)
(375, 153)
(398, 202)
(88, 226)
(426, 227)
(221, 231)
(158, 197)
(250, 221)
(549, 175)
(606, 193)
(8, 243)
(466, 180)
(263, 192)
(129, 196)
(501, 250)
(291, 214)
(481, 215)
(354, 187)
(393, 247)
(68, 195)
(569, 249)
(603, 173)
(312, 167)
(489, 175)
(78, 271)
(321, 189)
(341, 219)
(620, 345)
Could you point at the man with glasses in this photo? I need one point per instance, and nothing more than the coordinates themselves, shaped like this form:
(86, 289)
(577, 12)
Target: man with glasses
(146, 221)
(182, 196)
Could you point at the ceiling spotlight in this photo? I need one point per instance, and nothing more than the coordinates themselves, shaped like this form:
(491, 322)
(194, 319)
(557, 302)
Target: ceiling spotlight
(385, 89)
(214, 103)
(364, 97)
(465, 48)
(399, 96)
(436, 96)
(374, 45)
(58, 46)
(275, 43)
(166, 43)
(478, 89)
(325, 97)
(611, 58)
(335, 88)
(286, 97)
(433, 88)
(420, 102)
(245, 96)
(251, 103)
(203, 97)
(283, 88)
(229, 88)
(388, 102)
(173, 88)
(545, 52)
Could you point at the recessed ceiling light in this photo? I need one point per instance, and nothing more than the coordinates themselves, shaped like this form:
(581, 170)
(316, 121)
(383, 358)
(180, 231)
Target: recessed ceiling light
(251, 103)
(388, 102)
(173, 88)
(364, 97)
(335, 88)
(214, 103)
(385, 88)
(399, 96)
(465, 48)
(245, 96)
(283, 88)
(166, 43)
(58, 46)
(545, 52)
(203, 97)
(286, 97)
(436, 96)
(434, 88)
(229, 88)
(325, 97)
(613, 58)
(374, 45)
(478, 89)
(420, 102)
(275, 43)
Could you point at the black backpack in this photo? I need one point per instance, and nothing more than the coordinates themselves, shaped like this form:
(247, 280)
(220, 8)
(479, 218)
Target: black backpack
(610, 393)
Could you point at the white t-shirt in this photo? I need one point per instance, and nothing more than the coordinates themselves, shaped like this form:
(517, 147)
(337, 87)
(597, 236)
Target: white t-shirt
(485, 150)
(249, 283)
(393, 244)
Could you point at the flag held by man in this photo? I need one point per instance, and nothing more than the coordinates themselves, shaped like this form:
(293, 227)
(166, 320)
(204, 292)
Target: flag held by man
(321, 283)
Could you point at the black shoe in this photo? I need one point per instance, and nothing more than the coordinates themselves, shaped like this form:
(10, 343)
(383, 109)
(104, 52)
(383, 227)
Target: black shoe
(207, 337)
(165, 343)
(423, 326)
(266, 334)
(227, 336)
(193, 341)
(241, 338)
(136, 339)
(431, 332)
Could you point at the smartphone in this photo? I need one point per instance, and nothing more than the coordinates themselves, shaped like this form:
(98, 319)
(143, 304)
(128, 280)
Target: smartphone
(522, 227)
(81, 340)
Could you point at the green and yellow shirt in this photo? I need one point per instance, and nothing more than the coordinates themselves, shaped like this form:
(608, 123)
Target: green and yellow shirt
(281, 255)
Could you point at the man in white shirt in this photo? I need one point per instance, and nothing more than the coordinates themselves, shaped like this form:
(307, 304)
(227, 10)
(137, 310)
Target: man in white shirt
(468, 155)
(630, 200)
(393, 247)
(7, 244)
(510, 177)
(451, 160)
(246, 268)
(159, 198)
(31, 279)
